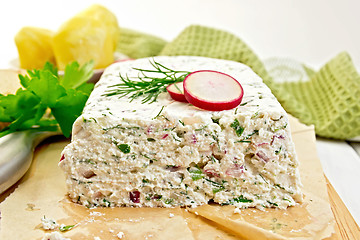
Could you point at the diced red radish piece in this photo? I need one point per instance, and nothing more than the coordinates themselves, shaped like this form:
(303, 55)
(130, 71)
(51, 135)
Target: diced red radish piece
(135, 196)
(276, 136)
(173, 168)
(235, 171)
(176, 91)
(212, 90)
(262, 156)
(211, 173)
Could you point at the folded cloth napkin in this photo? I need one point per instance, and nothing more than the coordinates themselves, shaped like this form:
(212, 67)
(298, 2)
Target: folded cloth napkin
(135, 44)
(329, 99)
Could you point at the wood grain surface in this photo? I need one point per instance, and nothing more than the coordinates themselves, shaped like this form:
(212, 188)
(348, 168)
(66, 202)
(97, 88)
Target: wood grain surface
(346, 227)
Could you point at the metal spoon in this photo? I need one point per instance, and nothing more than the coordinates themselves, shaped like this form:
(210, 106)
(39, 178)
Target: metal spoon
(16, 154)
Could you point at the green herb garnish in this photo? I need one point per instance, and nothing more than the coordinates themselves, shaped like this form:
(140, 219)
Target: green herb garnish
(125, 148)
(216, 120)
(196, 173)
(277, 152)
(146, 86)
(47, 101)
(106, 202)
(272, 203)
(242, 199)
(215, 137)
(169, 201)
(146, 156)
(278, 185)
(280, 128)
(162, 108)
(217, 186)
(263, 178)
(243, 141)
(236, 126)
(66, 228)
(243, 104)
(255, 115)
(200, 129)
(213, 159)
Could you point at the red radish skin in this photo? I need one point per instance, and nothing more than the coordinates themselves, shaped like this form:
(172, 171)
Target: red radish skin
(212, 90)
(176, 91)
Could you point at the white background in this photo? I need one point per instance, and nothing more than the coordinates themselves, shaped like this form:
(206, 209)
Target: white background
(311, 32)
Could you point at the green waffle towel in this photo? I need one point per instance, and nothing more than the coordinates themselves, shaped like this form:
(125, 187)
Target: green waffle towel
(329, 99)
(135, 44)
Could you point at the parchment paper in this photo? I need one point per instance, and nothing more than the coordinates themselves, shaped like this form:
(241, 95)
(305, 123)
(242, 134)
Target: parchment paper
(42, 192)
(9, 81)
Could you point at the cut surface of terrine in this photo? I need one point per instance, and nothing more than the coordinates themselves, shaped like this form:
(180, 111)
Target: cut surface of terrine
(169, 153)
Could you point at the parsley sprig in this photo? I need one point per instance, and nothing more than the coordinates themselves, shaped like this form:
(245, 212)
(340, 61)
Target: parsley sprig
(47, 101)
(147, 85)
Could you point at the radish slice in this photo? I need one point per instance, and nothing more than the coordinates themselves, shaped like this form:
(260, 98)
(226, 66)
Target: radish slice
(176, 91)
(212, 90)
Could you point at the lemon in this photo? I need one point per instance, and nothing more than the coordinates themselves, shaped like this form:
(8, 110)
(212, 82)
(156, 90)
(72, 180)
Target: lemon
(90, 35)
(34, 47)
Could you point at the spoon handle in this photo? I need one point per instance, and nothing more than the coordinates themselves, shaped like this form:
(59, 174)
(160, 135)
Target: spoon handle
(16, 154)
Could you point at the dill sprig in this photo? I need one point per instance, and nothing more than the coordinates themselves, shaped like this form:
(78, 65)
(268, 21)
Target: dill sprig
(147, 85)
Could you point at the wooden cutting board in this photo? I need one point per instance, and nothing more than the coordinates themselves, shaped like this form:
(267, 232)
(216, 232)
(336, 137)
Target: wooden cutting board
(346, 227)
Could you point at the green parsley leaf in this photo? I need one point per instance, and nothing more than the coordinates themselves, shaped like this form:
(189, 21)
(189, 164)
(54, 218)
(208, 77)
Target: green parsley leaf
(51, 68)
(74, 76)
(12, 106)
(47, 101)
(47, 88)
(68, 108)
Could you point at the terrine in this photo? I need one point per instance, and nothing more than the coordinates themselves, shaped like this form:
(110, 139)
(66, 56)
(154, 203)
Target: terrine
(169, 153)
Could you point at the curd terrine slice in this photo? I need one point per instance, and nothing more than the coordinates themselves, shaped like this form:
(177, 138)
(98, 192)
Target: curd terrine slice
(169, 153)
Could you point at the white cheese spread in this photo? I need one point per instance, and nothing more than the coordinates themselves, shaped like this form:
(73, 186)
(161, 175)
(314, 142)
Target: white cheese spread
(48, 223)
(170, 153)
(54, 236)
(120, 235)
